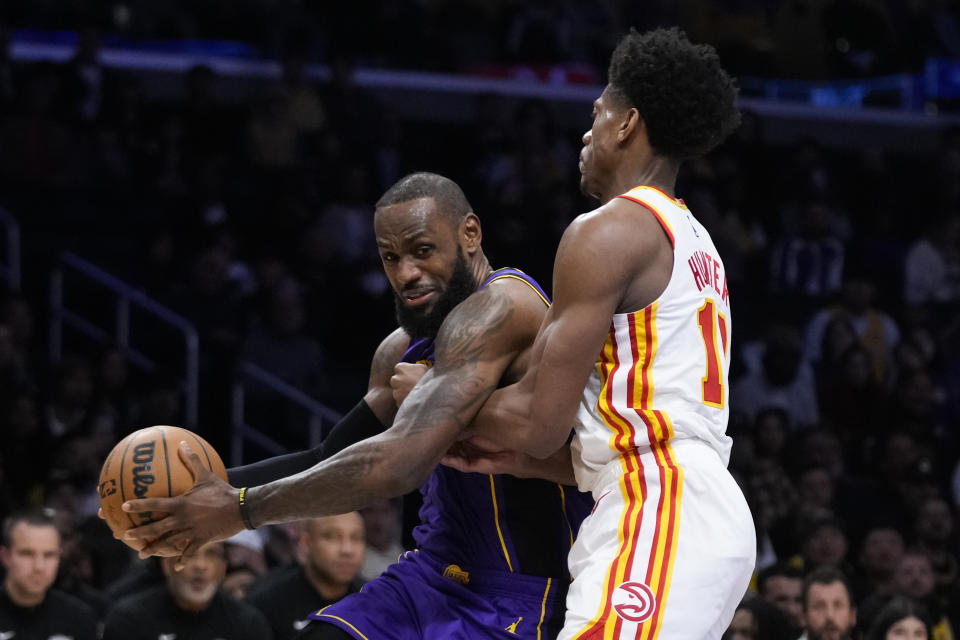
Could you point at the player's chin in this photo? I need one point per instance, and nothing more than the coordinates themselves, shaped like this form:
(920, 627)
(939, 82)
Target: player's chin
(585, 186)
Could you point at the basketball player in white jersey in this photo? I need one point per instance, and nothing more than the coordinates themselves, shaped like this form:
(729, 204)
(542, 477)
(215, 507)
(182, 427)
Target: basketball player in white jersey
(634, 353)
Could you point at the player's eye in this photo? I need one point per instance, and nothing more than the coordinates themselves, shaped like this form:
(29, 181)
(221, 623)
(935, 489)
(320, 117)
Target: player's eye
(424, 250)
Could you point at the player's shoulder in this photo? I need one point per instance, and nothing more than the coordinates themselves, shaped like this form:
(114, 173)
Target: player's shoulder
(393, 346)
(616, 229)
(615, 217)
(517, 285)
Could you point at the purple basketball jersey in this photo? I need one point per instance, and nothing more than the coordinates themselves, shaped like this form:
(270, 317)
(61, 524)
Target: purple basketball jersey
(491, 557)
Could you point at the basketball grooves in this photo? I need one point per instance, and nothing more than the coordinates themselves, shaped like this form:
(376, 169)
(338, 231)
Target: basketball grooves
(166, 459)
(205, 454)
(123, 494)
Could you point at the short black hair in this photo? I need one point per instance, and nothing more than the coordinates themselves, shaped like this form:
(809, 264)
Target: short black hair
(780, 569)
(686, 99)
(37, 517)
(447, 194)
(826, 575)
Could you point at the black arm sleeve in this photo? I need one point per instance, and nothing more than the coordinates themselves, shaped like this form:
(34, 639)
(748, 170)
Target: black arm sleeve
(359, 424)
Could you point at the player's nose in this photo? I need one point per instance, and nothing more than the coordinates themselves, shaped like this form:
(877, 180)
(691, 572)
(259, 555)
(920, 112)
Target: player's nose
(409, 271)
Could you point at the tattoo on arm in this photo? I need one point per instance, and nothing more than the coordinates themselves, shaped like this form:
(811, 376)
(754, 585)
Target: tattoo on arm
(461, 379)
(436, 411)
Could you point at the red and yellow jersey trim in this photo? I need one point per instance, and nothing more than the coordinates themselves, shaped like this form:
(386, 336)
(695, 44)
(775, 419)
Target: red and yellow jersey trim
(607, 625)
(635, 195)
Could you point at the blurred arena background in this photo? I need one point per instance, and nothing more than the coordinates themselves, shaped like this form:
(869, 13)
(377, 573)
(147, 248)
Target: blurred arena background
(186, 190)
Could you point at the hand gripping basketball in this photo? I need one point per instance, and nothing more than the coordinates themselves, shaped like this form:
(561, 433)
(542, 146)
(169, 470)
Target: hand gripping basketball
(206, 513)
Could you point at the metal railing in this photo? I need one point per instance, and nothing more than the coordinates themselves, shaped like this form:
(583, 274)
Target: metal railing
(126, 296)
(320, 416)
(10, 261)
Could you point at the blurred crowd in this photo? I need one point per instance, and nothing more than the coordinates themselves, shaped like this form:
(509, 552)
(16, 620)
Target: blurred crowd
(809, 39)
(253, 220)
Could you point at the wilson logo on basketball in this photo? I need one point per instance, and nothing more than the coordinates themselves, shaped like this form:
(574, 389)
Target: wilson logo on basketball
(634, 601)
(143, 471)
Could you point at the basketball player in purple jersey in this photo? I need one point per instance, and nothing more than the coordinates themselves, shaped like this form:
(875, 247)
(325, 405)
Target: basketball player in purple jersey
(491, 556)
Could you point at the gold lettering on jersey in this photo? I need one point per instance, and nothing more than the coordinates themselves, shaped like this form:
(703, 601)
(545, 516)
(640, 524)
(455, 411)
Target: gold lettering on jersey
(708, 272)
(455, 573)
(513, 626)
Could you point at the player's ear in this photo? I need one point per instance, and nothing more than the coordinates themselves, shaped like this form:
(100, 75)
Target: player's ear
(470, 233)
(630, 124)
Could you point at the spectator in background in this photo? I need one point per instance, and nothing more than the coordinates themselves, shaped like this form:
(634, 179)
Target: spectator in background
(901, 619)
(188, 605)
(382, 521)
(279, 345)
(829, 611)
(86, 82)
(784, 381)
(932, 266)
(824, 544)
(852, 402)
(115, 399)
(246, 562)
(807, 266)
(916, 580)
(756, 619)
(331, 554)
(272, 133)
(880, 554)
(875, 329)
(69, 410)
(303, 101)
(934, 533)
(744, 625)
(782, 586)
(29, 608)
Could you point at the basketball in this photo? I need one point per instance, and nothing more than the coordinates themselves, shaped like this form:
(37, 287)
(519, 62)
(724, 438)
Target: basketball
(146, 464)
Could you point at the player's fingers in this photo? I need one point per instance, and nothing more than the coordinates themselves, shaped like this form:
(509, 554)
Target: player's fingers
(189, 550)
(101, 514)
(457, 462)
(163, 505)
(169, 546)
(192, 460)
(151, 531)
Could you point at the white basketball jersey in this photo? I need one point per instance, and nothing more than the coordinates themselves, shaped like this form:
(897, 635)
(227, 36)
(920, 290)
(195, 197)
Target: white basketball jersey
(662, 374)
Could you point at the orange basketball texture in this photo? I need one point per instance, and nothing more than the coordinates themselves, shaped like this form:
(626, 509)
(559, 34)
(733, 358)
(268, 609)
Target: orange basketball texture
(146, 464)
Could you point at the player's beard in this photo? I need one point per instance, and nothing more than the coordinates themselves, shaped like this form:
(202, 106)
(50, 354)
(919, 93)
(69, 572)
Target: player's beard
(459, 288)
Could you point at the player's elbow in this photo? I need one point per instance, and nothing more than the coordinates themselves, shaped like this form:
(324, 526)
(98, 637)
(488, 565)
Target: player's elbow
(544, 442)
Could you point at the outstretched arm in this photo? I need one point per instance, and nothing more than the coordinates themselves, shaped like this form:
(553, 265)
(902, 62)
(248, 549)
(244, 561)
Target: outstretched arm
(476, 344)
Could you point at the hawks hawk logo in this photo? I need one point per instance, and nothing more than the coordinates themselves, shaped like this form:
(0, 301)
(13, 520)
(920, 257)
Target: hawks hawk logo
(634, 601)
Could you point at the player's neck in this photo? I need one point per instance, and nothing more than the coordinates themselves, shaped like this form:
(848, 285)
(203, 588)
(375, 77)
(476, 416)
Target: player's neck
(480, 268)
(655, 171)
(22, 598)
